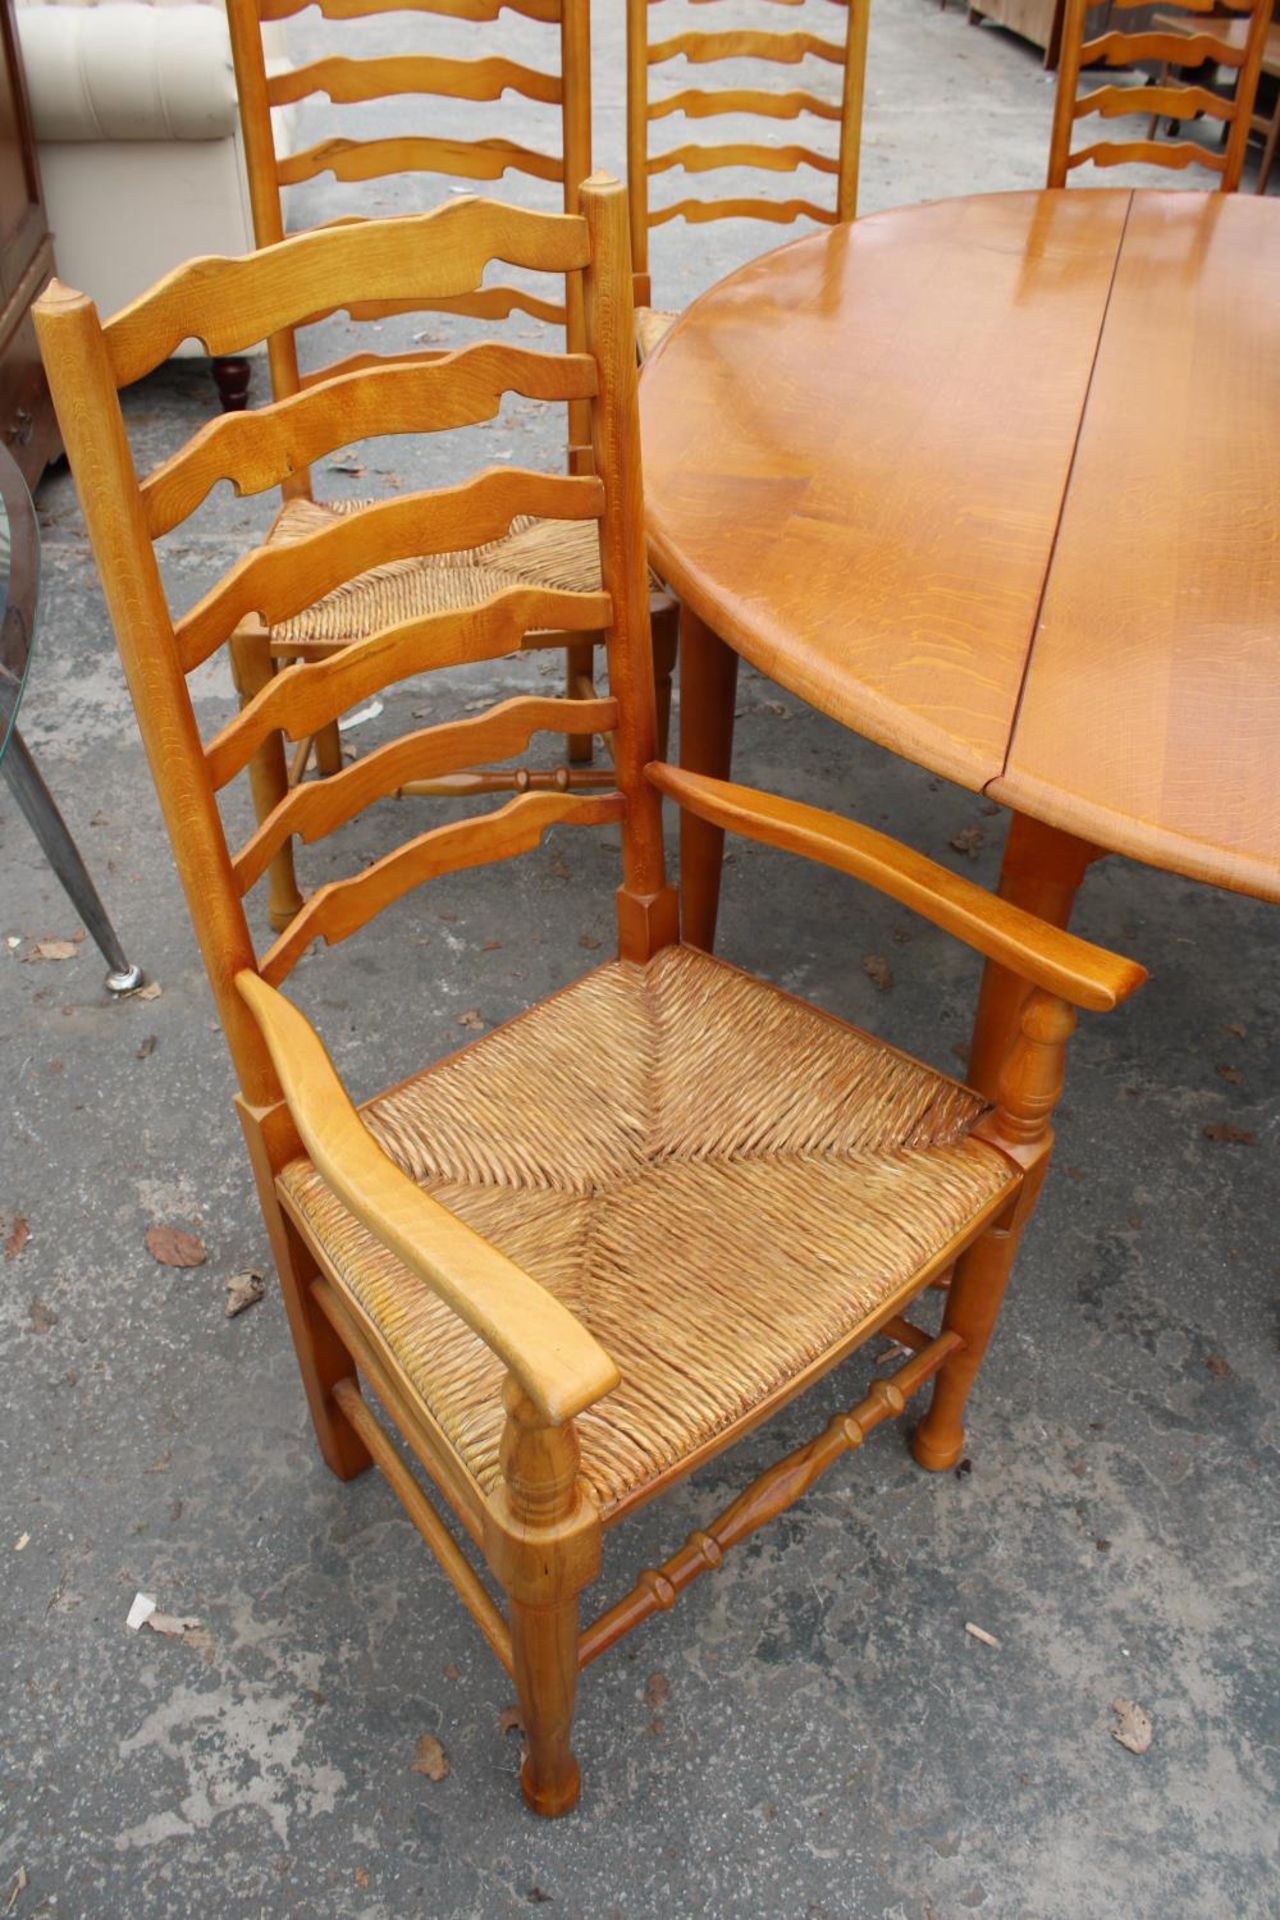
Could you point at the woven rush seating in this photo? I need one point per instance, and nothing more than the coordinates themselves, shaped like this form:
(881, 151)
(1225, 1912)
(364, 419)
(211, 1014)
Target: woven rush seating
(563, 554)
(735, 1186)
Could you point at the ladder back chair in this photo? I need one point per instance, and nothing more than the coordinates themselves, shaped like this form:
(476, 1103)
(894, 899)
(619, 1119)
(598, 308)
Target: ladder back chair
(769, 99)
(540, 552)
(591, 1249)
(1162, 98)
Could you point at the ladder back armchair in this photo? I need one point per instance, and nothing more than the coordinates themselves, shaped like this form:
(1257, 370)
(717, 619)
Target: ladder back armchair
(590, 1250)
(1162, 98)
(801, 91)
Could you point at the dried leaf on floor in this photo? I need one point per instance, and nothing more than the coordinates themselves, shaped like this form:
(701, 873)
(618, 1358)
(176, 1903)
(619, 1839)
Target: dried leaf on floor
(657, 1691)
(150, 991)
(1234, 1026)
(1217, 1366)
(968, 840)
(176, 1626)
(22, 1542)
(1232, 1075)
(430, 1758)
(53, 950)
(1225, 1135)
(348, 461)
(243, 1290)
(589, 941)
(42, 1317)
(451, 1672)
(147, 1047)
(878, 971)
(18, 1236)
(492, 946)
(980, 1633)
(362, 1878)
(1133, 1726)
(174, 1248)
(17, 1887)
(472, 1020)
(509, 1721)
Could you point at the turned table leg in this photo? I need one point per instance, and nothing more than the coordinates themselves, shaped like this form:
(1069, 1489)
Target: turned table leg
(708, 682)
(1042, 871)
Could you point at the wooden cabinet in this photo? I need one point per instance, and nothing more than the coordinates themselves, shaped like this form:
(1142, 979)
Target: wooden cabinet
(27, 425)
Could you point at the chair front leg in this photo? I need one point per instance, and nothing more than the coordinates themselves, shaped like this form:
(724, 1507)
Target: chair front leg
(1029, 1089)
(543, 1545)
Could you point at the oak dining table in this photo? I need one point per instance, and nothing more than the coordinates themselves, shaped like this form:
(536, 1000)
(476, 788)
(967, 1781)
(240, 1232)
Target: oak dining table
(995, 483)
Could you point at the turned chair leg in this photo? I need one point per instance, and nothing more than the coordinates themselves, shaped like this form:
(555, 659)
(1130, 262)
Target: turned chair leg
(328, 749)
(708, 683)
(1029, 1089)
(231, 376)
(543, 1544)
(579, 683)
(252, 668)
(1042, 871)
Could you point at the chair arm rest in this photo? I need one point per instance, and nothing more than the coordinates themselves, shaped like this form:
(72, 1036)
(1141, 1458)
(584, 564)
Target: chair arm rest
(558, 1363)
(1048, 957)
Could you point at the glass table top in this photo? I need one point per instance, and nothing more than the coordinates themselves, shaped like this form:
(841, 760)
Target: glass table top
(19, 581)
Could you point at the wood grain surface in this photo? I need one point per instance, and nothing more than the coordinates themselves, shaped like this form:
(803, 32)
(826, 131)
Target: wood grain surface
(993, 483)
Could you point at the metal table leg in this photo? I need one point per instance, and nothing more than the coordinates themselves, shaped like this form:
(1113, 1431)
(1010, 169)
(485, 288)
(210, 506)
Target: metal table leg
(63, 855)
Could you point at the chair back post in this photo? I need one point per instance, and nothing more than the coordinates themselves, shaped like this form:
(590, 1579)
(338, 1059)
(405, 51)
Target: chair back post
(638, 147)
(258, 140)
(75, 355)
(1246, 93)
(1064, 99)
(575, 70)
(851, 106)
(646, 905)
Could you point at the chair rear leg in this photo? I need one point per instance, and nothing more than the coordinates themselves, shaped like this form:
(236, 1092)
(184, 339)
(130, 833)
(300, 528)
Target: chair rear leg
(579, 681)
(328, 749)
(252, 668)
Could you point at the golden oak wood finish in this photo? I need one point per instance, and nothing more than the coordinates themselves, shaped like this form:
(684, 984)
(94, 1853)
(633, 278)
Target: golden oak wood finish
(1164, 595)
(538, 1521)
(773, 46)
(846, 490)
(853, 493)
(1118, 48)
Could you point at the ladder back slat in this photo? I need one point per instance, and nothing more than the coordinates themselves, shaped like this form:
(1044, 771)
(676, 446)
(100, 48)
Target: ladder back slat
(1178, 103)
(256, 450)
(703, 103)
(547, 11)
(304, 698)
(319, 807)
(1180, 50)
(348, 82)
(695, 159)
(341, 908)
(1174, 154)
(351, 160)
(781, 212)
(281, 579)
(232, 303)
(782, 49)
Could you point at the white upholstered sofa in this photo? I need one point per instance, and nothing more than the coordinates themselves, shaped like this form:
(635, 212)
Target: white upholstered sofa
(138, 140)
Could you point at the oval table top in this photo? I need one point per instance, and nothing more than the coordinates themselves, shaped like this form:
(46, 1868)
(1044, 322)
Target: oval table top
(996, 482)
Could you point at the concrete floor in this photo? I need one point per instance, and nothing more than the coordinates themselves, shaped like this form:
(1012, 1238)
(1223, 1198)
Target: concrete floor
(833, 1743)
